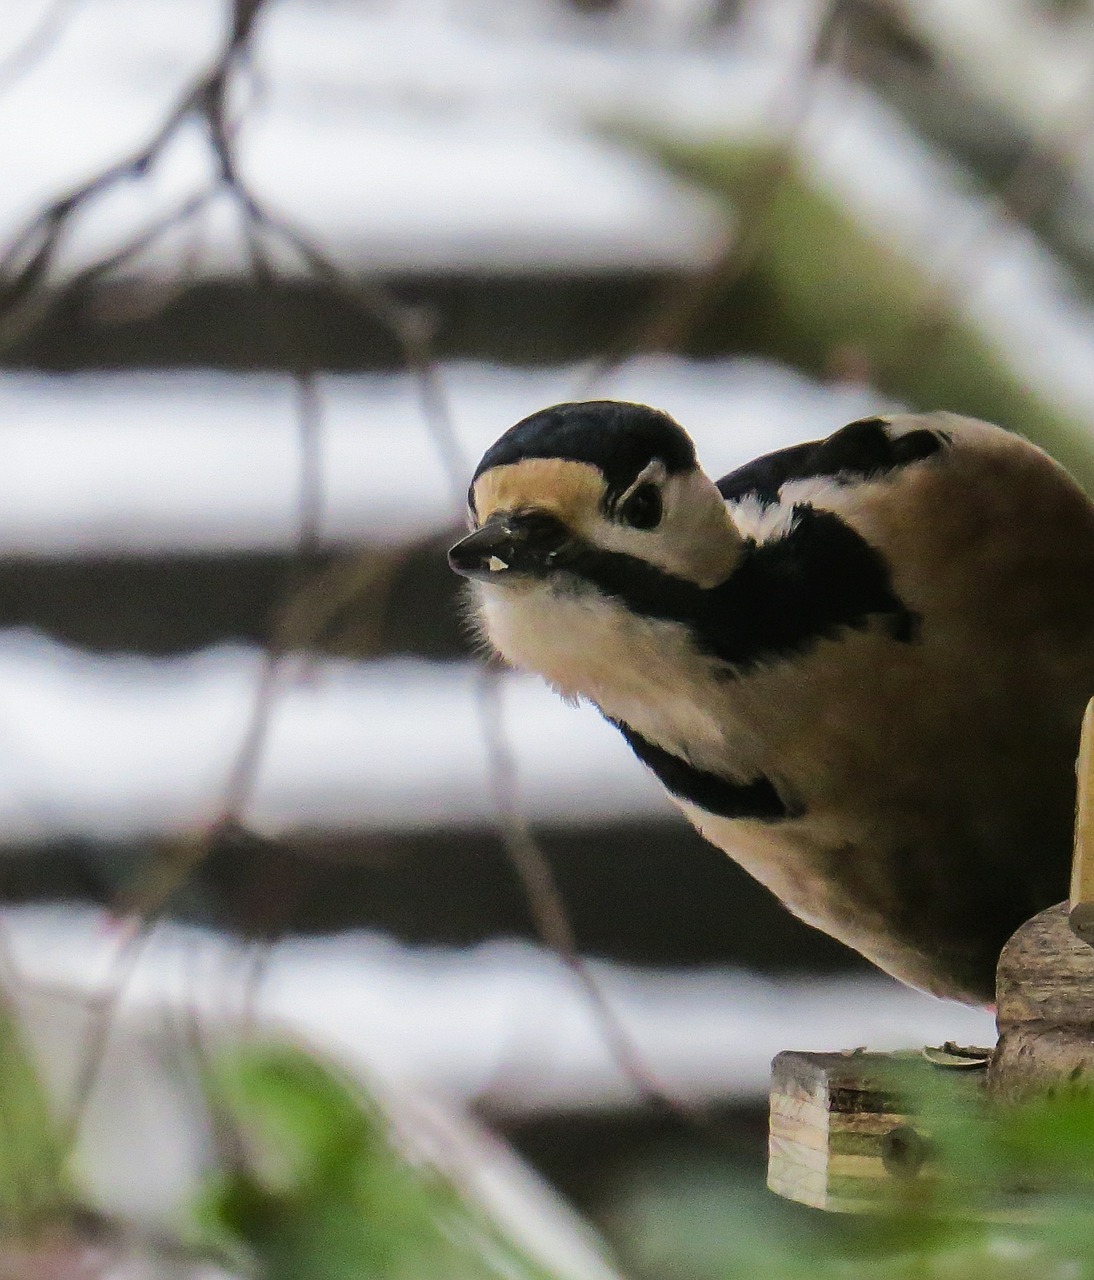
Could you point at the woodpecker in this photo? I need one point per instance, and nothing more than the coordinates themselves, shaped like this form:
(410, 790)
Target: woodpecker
(858, 665)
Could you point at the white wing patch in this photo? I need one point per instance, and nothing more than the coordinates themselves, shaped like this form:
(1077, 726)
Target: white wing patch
(763, 522)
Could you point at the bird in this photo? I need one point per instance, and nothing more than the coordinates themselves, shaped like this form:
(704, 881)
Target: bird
(858, 665)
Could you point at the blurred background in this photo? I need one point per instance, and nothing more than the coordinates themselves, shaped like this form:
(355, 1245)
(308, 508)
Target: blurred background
(273, 273)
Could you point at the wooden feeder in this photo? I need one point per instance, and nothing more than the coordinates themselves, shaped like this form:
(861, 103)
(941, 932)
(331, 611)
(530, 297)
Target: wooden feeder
(839, 1133)
(840, 1137)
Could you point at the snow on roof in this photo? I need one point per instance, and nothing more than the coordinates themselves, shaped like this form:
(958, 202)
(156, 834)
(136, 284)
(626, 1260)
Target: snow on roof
(382, 183)
(438, 136)
(133, 464)
(120, 748)
(116, 747)
(503, 1025)
(430, 137)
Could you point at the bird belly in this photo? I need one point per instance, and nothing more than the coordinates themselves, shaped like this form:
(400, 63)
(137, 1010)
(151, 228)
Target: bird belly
(930, 905)
(800, 863)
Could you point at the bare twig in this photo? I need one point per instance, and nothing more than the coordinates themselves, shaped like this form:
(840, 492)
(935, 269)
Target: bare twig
(24, 275)
(409, 326)
(547, 906)
(36, 45)
(39, 305)
(153, 892)
(545, 902)
(145, 902)
(228, 1140)
(102, 1019)
(27, 262)
(309, 422)
(679, 307)
(1023, 197)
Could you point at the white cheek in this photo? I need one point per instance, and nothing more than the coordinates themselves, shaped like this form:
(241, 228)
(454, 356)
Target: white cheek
(696, 541)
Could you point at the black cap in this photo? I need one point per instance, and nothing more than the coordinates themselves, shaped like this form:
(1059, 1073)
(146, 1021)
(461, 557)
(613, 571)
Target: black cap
(620, 439)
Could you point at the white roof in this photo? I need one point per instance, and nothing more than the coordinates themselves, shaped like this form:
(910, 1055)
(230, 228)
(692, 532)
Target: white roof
(432, 136)
(503, 1025)
(384, 181)
(142, 462)
(119, 748)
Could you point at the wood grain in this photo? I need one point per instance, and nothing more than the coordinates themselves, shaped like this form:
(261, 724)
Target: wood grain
(841, 1136)
(1045, 994)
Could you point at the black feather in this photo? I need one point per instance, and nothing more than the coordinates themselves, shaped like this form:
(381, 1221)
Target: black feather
(863, 450)
(714, 794)
(784, 596)
(618, 438)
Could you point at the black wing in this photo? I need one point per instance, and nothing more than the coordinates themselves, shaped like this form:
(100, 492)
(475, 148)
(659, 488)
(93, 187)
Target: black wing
(862, 450)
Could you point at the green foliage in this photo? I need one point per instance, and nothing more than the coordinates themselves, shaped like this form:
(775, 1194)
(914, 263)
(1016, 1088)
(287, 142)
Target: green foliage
(34, 1191)
(321, 1191)
(809, 286)
(324, 1193)
(1007, 1195)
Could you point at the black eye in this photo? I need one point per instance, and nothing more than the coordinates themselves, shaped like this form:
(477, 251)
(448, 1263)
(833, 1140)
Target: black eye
(643, 509)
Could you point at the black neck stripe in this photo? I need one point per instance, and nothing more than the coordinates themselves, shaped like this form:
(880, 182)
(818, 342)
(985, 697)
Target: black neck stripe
(784, 596)
(712, 793)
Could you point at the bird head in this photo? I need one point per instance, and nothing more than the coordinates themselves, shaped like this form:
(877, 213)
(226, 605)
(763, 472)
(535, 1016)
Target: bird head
(576, 483)
(584, 517)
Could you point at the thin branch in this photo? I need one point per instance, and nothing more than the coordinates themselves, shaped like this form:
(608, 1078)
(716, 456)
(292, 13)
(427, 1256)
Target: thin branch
(142, 906)
(151, 895)
(26, 266)
(1023, 197)
(145, 902)
(103, 1016)
(28, 259)
(545, 901)
(679, 307)
(409, 326)
(533, 870)
(548, 909)
(310, 449)
(41, 305)
(30, 254)
(39, 41)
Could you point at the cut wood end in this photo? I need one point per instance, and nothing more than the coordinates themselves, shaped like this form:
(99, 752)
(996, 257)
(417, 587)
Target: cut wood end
(841, 1136)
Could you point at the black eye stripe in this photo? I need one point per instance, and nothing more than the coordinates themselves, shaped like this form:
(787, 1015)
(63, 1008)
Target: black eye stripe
(785, 596)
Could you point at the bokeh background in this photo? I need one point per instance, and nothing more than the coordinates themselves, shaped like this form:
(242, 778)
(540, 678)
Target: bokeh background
(272, 275)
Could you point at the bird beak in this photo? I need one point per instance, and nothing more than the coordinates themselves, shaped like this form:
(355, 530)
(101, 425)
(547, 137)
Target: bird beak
(527, 543)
